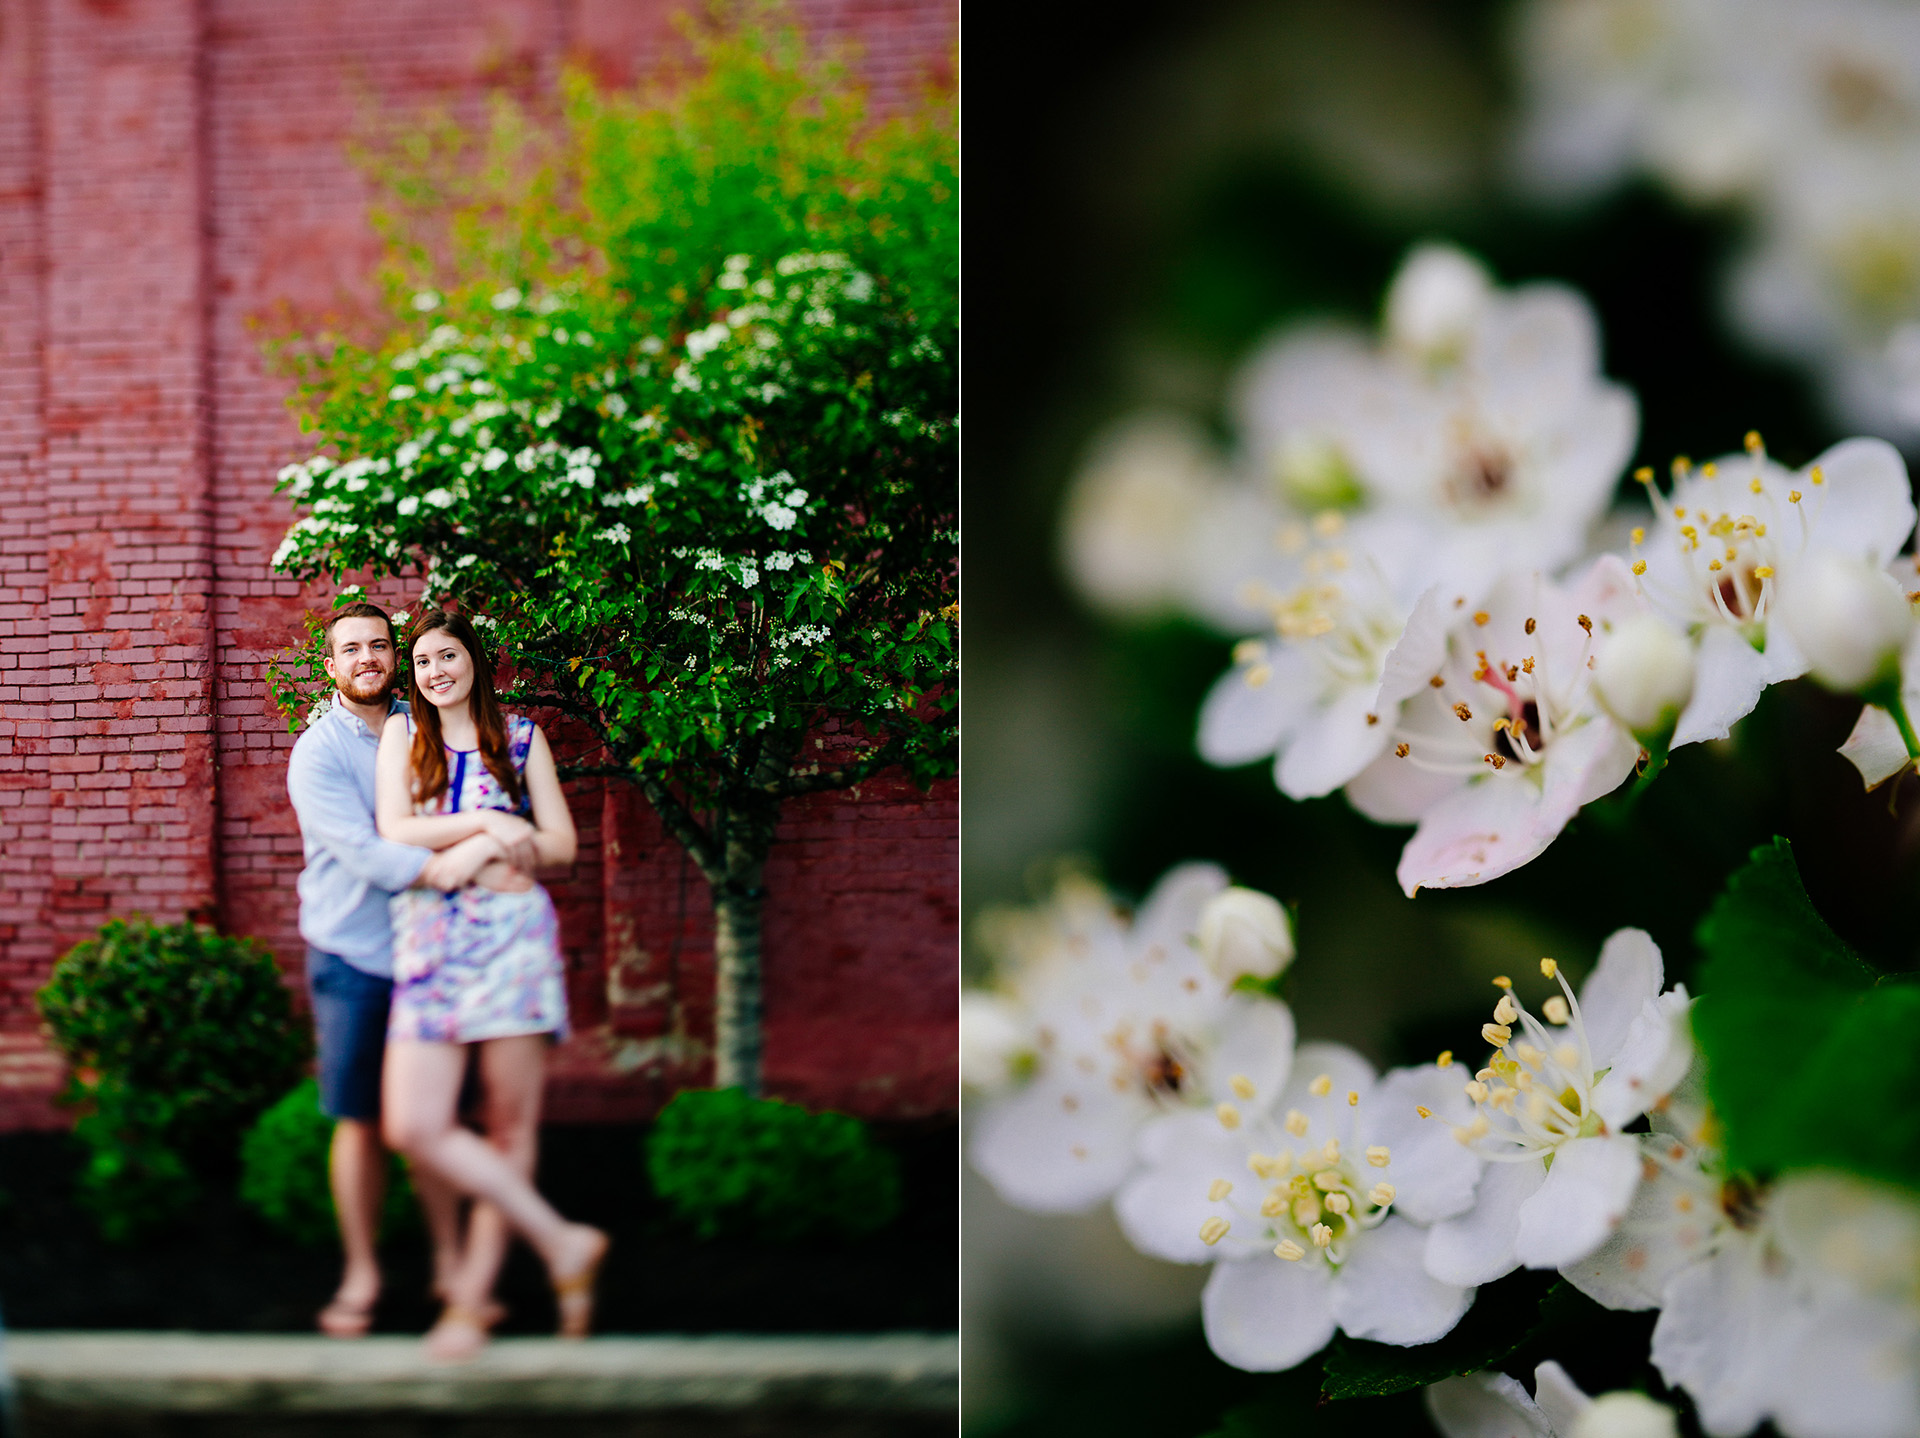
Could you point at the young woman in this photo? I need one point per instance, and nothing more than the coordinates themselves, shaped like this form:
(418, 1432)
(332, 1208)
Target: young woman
(481, 967)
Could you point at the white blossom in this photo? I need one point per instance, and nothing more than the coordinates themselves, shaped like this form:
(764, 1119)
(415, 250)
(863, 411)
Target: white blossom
(1643, 675)
(1245, 933)
(1492, 1405)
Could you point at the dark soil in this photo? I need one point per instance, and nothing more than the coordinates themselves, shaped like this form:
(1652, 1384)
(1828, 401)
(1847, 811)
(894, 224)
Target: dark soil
(224, 1270)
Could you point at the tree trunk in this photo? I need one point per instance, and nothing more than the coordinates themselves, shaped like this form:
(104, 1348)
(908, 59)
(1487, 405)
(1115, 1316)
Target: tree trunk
(736, 981)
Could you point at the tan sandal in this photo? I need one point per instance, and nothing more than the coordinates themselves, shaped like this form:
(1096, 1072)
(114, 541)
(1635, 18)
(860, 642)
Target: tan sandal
(574, 1296)
(461, 1332)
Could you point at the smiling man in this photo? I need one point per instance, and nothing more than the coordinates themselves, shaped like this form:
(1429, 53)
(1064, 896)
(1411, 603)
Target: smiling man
(350, 874)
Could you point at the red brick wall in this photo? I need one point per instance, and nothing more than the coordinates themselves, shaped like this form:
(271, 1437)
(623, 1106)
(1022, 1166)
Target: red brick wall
(171, 171)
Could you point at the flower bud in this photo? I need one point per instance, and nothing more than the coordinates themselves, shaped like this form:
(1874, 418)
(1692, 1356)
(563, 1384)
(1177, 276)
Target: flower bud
(1435, 300)
(1849, 619)
(1625, 1414)
(991, 1040)
(1243, 931)
(1644, 675)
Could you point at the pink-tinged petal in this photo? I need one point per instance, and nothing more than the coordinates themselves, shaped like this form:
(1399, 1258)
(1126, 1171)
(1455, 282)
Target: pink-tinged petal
(1474, 834)
(1328, 1115)
(1241, 722)
(1058, 1147)
(1384, 1293)
(1606, 590)
(1255, 1044)
(1162, 1207)
(1867, 511)
(1433, 1174)
(1651, 1060)
(1724, 1330)
(1629, 973)
(1331, 745)
(1477, 1247)
(1486, 1405)
(1588, 764)
(1264, 1314)
(1875, 747)
(1560, 1399)
(1728, 676)
(1669, 1225)
(1392, 791)
(1585, 1198)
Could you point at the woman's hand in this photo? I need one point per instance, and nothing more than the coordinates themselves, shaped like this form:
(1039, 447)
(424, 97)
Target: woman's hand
(504, 878)
(515, 836)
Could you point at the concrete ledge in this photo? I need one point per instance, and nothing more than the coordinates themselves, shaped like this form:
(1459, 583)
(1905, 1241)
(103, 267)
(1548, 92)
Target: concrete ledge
(902, 1373)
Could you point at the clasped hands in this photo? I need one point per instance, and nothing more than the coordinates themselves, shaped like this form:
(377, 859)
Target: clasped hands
(502, 857)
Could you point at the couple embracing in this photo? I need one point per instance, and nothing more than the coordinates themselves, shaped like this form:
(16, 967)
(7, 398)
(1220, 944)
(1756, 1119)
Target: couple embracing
(432, 951)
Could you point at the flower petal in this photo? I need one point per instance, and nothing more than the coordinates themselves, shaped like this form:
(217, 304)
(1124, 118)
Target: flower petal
(1170, 915)
(1332, 744)
(1384, 1293)
(1058, 1146)
(1669, 1225)
(1654, 1056)
(1264, 1314)
(1419, 652)
(1256, 1044)
(1328, 1115)
(1723, 1329)
(1868, 510)
(1485, 1405)
(1629, 973)
(1477, 1247)
(1585, 1198)
(1392, 791)
(1560, 1399)
(1728, 675)
(1852, 1374)
(1875, 747)
(1241, 721)
(1433, 1174)
(1161, 1208)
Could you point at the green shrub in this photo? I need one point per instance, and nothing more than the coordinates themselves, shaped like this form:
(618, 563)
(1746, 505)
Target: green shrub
(725, 1163)
(175, 1039)
(283, 1171)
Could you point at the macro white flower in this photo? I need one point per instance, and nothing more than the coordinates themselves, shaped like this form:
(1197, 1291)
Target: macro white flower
(1505, 740)
(1308, 1189)
(1244, 932)
(1476, 436)
(1550, 1106)
(1725, 542)
(1492, 1405)
(1129, 1023)
(1323, 695)
(1877, 747)
(994, 1042)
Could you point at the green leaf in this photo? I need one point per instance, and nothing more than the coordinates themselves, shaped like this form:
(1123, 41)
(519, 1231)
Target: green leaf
(1504, 1315)
(1811, 1056)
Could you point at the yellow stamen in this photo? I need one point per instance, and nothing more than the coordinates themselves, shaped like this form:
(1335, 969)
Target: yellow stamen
(1338, 1203)
(1639, 566)
(1381, 1194)
(1321, 1235)
(1445, 1060)
(1296, 1123)
(1353, 1098)
(1423, 1110)
(1555, 1009)
(1496, 1034)
(1289, 1250)
(1327, 1180)
(1501, 981)
(1241, 1085)
(1548, 968)
(1228, 1115)
(1218, 1190)
(1306, 1211)
(1379, 1155)
(1321, 1086)
(1506, 1011)
(1213, 1230)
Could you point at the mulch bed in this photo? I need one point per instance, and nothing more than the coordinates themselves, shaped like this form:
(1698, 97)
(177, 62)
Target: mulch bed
(224, 1270)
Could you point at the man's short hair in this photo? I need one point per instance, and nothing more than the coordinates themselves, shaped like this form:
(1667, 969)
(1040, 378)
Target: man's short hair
(360, 609)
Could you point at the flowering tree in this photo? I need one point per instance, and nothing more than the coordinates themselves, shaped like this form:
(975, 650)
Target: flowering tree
(664, 396)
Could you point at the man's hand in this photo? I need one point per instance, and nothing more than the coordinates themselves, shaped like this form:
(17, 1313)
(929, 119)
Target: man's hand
(455, 868)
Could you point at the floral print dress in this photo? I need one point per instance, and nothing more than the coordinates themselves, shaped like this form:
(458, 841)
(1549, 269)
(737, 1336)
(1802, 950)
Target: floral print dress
(476, 964)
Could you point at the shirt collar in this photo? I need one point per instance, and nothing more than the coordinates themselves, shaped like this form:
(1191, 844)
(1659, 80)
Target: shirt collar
(395, 706)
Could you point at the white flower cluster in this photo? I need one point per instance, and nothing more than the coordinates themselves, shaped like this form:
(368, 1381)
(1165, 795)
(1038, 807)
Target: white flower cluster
(1145, 1062)
(1809, 114)
(1402, 536)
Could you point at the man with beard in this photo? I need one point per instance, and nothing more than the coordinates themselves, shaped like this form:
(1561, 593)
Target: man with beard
(350, 874)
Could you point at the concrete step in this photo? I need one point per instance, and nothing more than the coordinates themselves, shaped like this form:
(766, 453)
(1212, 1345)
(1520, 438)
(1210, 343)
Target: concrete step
(98, 1384)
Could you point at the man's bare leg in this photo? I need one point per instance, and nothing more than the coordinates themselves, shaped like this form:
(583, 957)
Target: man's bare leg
(357, 1171)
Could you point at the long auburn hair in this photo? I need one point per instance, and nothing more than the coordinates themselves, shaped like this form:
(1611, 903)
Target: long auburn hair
(429, 749)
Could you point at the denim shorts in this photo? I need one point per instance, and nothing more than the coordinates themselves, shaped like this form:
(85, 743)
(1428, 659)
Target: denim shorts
(350, 1023)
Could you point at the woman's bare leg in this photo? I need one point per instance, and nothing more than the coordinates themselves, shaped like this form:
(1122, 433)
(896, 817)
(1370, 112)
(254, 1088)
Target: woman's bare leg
(515, 1073)
(420, 1092)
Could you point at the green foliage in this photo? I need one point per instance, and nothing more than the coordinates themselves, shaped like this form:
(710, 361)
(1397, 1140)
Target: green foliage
(175, 1038)
(725, 1163)
(283, 1171)
(1809, 1053)
(668, 394)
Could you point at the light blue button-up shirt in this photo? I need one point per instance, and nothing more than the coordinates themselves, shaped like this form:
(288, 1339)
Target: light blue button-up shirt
(351, 871)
